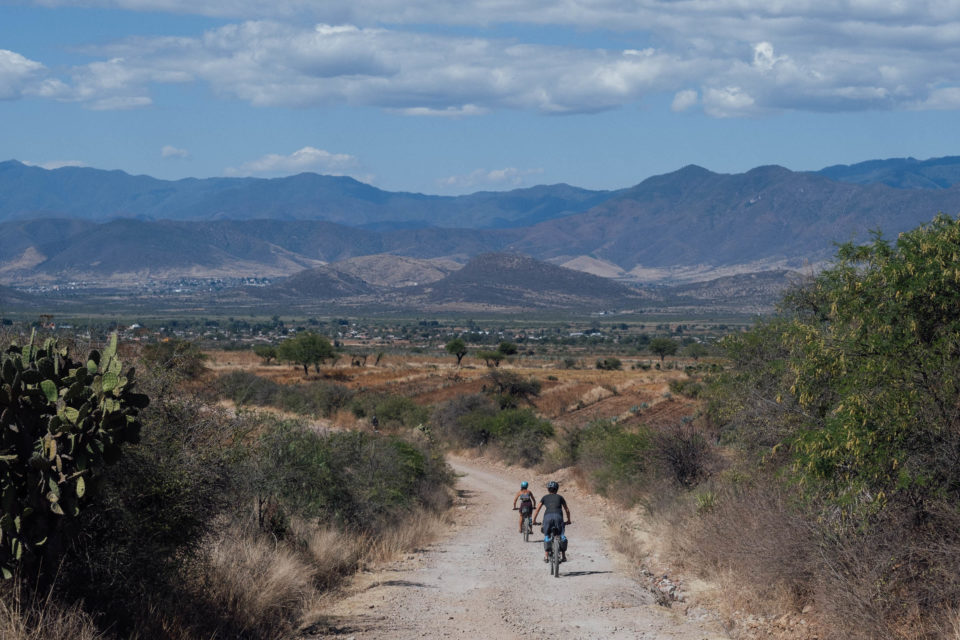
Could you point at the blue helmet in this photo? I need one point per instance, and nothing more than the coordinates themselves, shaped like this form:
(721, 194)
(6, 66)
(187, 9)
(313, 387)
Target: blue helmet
(524, 485)
(552, 485)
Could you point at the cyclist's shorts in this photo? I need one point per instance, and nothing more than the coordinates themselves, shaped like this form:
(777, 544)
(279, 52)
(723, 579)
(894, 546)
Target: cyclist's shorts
(553, 518)
(526, 509)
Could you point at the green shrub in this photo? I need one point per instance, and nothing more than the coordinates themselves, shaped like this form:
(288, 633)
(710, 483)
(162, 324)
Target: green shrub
(181, 357)
(400, 411)
(613, 457)
(609, 364)
(316, 398)
(356, 480)
(448, 420)
(157, 504)
(689, 388)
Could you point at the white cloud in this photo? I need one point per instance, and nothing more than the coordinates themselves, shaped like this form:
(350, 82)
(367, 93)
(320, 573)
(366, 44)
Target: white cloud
(683, 100)
(305, 159)
(488, 178)
(728, 102)
(169, 151)
(777, 54)
(942, 99)
(18, 75)
(448, 112)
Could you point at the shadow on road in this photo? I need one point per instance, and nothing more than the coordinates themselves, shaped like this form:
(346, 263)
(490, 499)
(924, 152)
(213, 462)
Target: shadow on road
(465, 496)
(401, 583)
(577, 574)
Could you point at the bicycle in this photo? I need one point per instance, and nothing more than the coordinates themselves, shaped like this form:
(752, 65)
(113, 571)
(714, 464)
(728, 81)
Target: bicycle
(527, 528)
(553, 553)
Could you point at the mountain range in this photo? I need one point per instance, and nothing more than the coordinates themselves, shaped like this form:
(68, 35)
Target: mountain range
(688, 226)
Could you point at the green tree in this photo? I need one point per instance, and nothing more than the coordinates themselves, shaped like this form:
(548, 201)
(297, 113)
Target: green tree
(491, 358)
(696, 350)
(662, 347)
(266, 351)
(861, 375)
(507, 348)
(458, 348)
(306, 349)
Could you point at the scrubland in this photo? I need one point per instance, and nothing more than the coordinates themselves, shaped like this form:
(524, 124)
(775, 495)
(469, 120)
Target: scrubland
(809, 469)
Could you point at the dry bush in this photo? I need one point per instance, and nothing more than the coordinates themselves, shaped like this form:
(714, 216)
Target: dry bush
(751, 535)
(332, 553)
(24, 616)
(259, 586)
(411, 533)
(686, 452)
(898, 579)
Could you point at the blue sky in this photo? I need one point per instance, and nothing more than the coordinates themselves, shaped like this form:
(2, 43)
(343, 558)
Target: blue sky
(455, 97)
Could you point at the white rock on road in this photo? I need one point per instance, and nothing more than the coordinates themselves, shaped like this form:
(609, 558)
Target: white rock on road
(484, 582)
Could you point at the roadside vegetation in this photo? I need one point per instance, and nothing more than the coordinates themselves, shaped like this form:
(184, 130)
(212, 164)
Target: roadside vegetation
(192, 521)
(809, 462)
(843, 411)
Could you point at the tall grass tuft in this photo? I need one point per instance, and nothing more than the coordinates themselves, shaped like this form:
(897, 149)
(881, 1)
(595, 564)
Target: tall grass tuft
(26, 616)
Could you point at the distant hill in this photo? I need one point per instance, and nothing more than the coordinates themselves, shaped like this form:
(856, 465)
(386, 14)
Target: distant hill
(508, 283)
(685, 226)
(321, 283)
(92, 194)
(901, 173)
(390, 271)
(520, 282)
(767, 218)
(127, 250)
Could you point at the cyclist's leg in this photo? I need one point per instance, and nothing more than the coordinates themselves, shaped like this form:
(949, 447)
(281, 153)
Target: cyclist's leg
(550, 521)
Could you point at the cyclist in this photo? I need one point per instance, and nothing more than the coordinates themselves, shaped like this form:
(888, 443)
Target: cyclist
(555, 507)
(526, 499)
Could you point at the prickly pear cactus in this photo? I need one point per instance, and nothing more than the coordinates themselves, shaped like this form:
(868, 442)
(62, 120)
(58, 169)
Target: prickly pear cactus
(61, 421)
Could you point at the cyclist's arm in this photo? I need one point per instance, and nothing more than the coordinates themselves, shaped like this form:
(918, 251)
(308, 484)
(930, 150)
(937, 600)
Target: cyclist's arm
(567, 509)
(539, 506)
(515, 498)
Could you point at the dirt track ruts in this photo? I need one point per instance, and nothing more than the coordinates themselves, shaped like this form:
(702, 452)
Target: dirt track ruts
(483, 581)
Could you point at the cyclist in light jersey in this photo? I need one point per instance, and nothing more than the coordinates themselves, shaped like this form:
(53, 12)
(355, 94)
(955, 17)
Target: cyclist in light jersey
(526, 499)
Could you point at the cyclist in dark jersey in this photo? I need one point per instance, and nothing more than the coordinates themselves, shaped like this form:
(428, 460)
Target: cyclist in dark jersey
(555, 507)
(526, 499)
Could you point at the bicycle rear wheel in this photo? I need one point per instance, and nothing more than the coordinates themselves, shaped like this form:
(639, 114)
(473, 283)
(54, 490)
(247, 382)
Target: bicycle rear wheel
(555, 556)
(526, 529)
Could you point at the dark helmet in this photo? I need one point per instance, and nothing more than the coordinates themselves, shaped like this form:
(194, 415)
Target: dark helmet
(552, 485)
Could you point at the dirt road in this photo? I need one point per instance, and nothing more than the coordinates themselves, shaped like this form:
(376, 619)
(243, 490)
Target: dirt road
(483, 581)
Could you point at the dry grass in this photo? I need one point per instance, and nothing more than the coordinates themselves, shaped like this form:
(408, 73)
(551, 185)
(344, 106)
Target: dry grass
(266, 589)
(259, 585)
(26, 617)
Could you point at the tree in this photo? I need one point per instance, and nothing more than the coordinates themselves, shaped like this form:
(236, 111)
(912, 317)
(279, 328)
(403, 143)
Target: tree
(662, 347)
(507, 348)
(306, 349)
(458, 348)
(696, 351)
(509, 387)
(492, 358)
(266, 351)
(859, 377)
